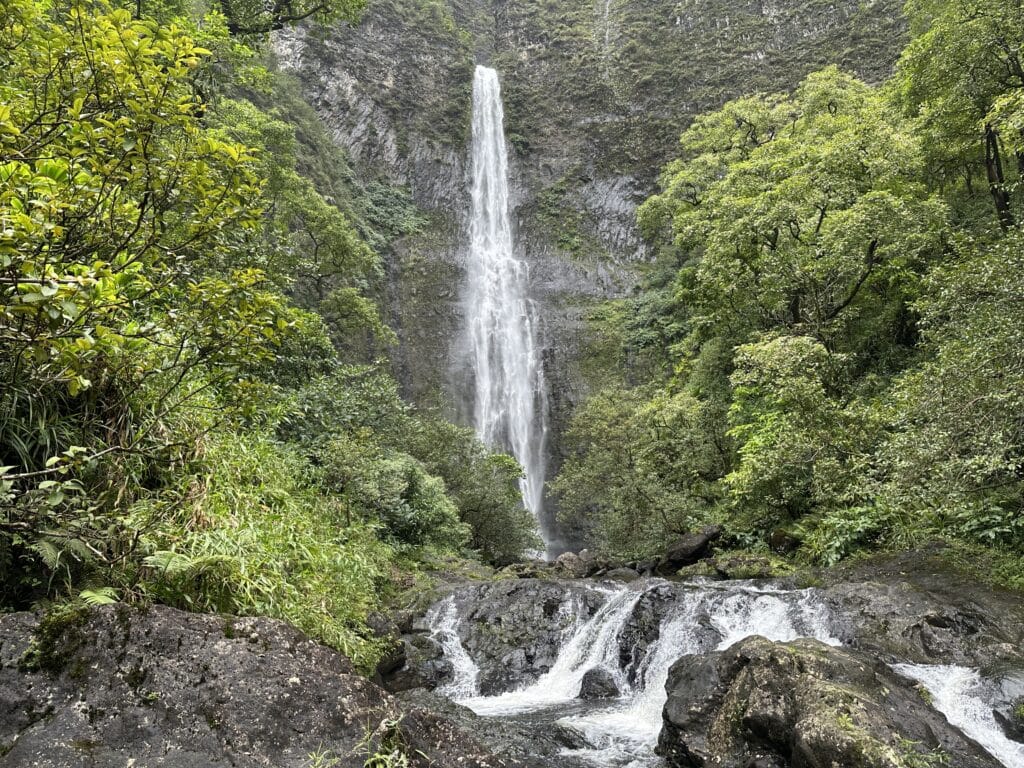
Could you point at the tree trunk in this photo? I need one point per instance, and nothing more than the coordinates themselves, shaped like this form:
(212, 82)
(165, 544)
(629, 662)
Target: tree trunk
(996, 180)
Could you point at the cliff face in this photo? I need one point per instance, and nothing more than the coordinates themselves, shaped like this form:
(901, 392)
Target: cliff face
(596, 94)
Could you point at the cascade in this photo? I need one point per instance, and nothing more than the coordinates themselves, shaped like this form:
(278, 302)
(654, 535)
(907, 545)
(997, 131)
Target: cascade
(959, 693)
(626, 730)
(509, 399)
(443, 619)
(622, 733)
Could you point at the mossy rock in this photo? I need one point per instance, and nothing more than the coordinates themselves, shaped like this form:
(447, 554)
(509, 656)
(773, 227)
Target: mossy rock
(57, 637)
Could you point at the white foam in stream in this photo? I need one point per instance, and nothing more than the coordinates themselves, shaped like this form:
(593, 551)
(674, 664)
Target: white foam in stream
(594, 643)
(628, 731)
(959, 694)
(709, 617)
(443, 620)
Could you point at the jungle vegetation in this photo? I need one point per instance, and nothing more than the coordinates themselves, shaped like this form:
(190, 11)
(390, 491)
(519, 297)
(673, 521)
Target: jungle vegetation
(827, 356)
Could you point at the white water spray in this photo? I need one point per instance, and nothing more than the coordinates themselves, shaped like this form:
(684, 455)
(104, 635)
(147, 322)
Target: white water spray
(509, 402)
(593, 643)
(959, 694)
(444, 623)
(623, 732)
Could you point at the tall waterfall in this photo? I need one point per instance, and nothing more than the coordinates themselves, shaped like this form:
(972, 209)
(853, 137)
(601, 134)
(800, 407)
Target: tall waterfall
(509, 403)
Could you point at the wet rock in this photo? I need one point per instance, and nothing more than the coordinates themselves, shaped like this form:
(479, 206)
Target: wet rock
(688, 549)
(423, 666)
(598, 683)
(1011, 719)
(950, 621)
(643, 628)
(513, 629)
(624, 575)
(572, 566)
(745, 565)
(524, 743)
(164, 687)
(532, 569)
(703, 569)
(802, 704)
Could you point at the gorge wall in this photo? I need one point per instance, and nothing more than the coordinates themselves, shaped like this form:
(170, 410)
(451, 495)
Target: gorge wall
(596, 94)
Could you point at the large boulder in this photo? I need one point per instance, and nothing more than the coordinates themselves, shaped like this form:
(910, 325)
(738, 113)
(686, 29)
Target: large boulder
(803, 704)
(511, 628)
(954, 622)
(523, 742)
(116, 686)
(688, 549)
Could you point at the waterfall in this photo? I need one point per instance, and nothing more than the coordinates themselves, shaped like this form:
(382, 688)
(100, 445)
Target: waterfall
(625, 732)
(444, 625)
(959, 693)
(708, 619)
(593, 643)
(509, 400)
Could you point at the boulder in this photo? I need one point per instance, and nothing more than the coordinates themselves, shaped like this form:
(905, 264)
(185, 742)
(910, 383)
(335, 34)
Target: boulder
(803, 704)
(1011, 719)
(527, 745)
(746, 565)
(423, 665)
(688, 549)
(598, 683)
(572, 566)
(513, 629)
(929, 621)
(115, 686)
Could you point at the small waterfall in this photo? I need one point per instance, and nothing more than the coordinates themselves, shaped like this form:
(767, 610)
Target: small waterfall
(593, 643)
(625, 731)
(703, 618)
(628, 732)
(443, 620)
(960, 694)
(510, 396)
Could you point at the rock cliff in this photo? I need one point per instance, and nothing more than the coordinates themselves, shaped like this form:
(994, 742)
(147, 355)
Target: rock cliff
(596, 94)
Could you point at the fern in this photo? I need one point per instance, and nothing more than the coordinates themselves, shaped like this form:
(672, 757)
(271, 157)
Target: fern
(100, 596)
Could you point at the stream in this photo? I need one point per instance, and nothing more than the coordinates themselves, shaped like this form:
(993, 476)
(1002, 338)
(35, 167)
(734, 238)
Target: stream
(623, 731)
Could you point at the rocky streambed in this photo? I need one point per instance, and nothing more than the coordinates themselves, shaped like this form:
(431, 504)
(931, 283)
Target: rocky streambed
(890, 667)
(910, 669)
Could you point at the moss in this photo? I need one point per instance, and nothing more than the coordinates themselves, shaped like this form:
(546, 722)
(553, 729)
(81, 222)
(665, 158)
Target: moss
(704, 568)
(57, 637)
(1018, 711)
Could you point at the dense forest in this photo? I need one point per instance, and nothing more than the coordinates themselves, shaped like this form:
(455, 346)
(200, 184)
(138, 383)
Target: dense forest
(826, 356)
(194, 407)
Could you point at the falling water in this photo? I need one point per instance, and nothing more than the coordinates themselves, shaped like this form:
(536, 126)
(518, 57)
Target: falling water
(959, 693)
(625, 731)
(444, 623)
(592, 644)
(509, 403)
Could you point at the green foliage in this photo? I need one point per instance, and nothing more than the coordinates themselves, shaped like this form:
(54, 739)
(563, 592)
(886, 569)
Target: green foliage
(379, 454)
(176, 298)
(484, 487)
(119, 318)
(254, 17)
(265, 539)
(842, 325)
(962, 77)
